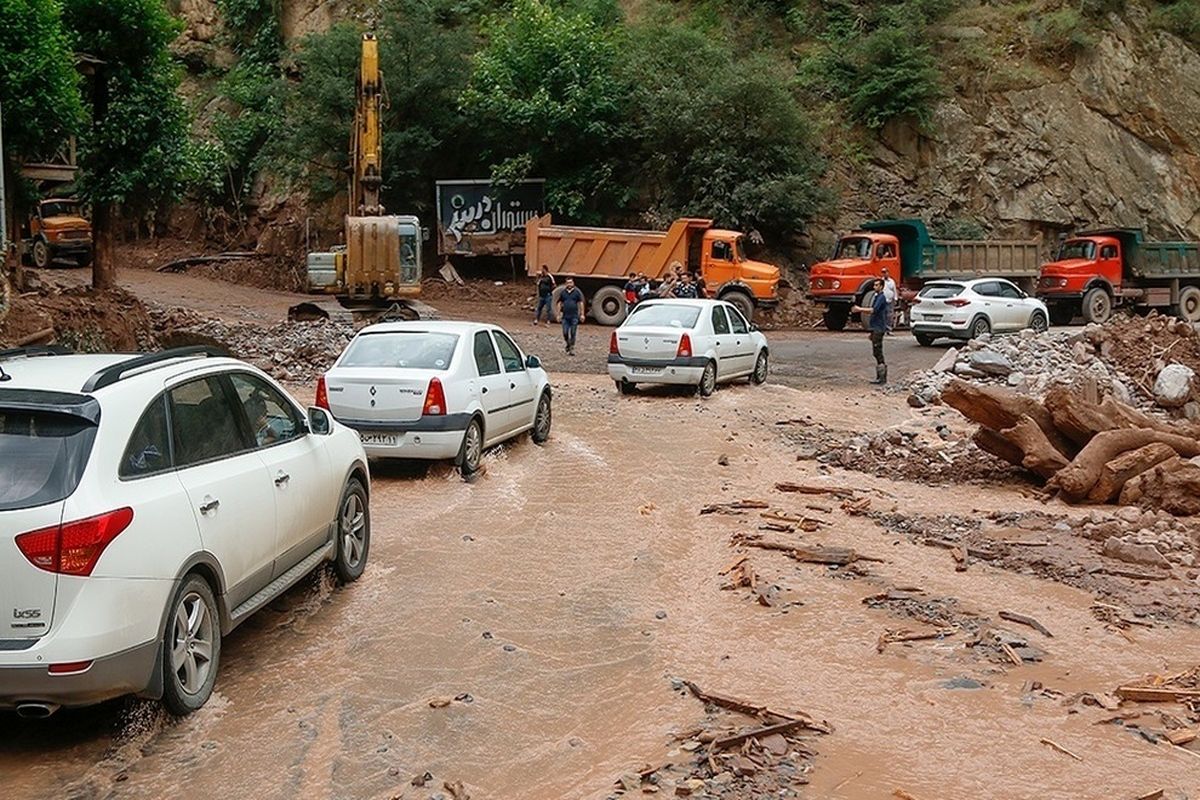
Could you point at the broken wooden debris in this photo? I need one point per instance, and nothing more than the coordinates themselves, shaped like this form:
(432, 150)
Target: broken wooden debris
(735, 507)
(959, 554)
(1013, 616)
(1053, 745)
(1011, 654)
(1149, 694)
(768, 715)
(1129, 573)
(892, 637)
(811, 554)
(762, 731)
(836, 491)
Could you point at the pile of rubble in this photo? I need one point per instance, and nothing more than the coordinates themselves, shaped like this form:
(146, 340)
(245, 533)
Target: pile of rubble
(291, 352)
(1085, 449)
(728, 758)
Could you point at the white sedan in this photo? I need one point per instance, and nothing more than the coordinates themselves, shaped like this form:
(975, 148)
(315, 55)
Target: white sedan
(969, 309)
(436, 391)
(688, 342)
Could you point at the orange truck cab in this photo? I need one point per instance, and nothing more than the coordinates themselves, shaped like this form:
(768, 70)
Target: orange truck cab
(911, 257)
(57, 229)
(601, 259)
(1097, 271)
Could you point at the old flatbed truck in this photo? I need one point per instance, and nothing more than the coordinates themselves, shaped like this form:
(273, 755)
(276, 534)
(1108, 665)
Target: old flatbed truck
(600, 260)
(1097, 271)
(912, 257)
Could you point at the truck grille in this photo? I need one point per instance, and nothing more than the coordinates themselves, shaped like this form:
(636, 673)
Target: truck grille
(76, 234)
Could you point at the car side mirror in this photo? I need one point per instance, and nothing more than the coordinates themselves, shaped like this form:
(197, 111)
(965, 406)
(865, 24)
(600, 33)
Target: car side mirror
(533, 362)
(320, 422)
(753, 327)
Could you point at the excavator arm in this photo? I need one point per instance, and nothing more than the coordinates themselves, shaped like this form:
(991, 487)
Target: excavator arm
(366, 141)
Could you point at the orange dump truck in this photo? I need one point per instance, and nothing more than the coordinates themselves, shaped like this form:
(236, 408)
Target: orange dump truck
(600, 260)
(912, 257)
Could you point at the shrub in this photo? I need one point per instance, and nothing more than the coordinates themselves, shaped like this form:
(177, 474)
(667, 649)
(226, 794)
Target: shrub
(1181, 18)
(1061, 33)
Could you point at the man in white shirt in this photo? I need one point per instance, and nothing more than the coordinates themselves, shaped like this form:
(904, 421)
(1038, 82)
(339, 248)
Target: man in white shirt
(891, 295)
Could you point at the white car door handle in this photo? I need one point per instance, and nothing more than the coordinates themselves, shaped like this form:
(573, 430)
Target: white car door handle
(281, 478)
(210, 504)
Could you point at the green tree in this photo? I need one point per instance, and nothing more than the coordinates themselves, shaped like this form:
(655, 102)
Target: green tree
(545, 97)
(39, 93)
(423, 51)
(135, 153)
(719, 136)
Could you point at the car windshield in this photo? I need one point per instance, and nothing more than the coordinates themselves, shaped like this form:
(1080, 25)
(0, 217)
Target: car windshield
(938, 291)
(740, 244)
(42, 456)
(60, 208)
(407, 349)
(1077, 248)
(854, 247)
(669, 315)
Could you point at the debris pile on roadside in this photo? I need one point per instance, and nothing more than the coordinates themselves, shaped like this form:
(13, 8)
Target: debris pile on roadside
(1148, 561)
(1085, 449)
(291, 352)
(81, 318)
(741, 750)
(1145, 362)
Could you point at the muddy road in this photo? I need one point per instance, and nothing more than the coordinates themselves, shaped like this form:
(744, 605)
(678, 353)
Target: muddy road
(803, 359)
(558, 596)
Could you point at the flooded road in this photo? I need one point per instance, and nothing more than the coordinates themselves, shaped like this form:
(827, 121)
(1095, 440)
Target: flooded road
(557, 597)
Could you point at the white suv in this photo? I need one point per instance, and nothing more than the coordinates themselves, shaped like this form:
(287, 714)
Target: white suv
(148, 505)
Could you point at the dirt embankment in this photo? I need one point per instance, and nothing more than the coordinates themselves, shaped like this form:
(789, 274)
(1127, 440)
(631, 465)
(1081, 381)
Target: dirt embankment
(80, 318)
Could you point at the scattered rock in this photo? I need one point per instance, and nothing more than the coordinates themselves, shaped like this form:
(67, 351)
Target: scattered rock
(1135, 553)
(1173, 386)
(990, 362)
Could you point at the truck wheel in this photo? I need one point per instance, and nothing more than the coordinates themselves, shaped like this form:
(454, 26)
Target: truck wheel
(1062, 314)
(741, 301)
(835, 316)
(41, 254)
(1189, 304)
(608, 306)
(1097, 305)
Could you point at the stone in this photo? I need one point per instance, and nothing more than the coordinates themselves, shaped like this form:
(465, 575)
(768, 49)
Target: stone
(1016, 379)
(916, 401)
(1173, 386)
(1191, 410)
(967, 371)
(947, 361)
(1143, 554)
(990, 362)
(1130, 514)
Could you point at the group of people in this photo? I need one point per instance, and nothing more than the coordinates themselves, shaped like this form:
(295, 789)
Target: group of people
(571, 309)
(882, 320)
(678, 282)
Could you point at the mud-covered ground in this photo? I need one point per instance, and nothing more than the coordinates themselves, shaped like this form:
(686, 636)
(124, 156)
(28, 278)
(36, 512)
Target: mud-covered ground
(531, 635)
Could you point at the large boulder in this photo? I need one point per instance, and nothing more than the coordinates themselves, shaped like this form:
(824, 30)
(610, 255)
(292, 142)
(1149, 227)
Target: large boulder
(990, 362)
(1173, 386)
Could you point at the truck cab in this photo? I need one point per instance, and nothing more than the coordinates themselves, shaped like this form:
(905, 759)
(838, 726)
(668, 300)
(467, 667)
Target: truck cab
(858, 259)
(1086, 275)
(728, 272)
(56, 228)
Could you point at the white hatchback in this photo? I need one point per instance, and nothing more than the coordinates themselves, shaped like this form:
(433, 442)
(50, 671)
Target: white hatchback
(969, 309)
(148, 505)
(437, 391)
(689, 342)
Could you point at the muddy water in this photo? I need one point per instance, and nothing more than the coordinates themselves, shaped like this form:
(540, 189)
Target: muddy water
(564, 589)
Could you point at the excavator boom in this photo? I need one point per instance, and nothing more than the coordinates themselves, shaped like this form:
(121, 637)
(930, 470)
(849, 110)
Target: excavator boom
(366, 145)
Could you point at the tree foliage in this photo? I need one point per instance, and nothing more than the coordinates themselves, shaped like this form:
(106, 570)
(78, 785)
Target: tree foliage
(545, 97)
(1181, 17)
(38, 83)
(718, 136)
(135, 150)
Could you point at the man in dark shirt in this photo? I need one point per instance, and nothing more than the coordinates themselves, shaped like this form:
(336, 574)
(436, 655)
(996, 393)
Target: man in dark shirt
(685, 288)
(545, 290)
(878, 326)
(571, 311)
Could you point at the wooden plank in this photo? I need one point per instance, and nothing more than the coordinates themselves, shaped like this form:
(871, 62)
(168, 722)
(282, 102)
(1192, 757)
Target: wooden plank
(1148, 694)
(1013, 616)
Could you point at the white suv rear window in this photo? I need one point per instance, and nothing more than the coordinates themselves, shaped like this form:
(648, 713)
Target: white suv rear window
(42, 456)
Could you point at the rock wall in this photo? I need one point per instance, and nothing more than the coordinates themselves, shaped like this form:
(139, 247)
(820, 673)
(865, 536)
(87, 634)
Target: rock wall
(1116, 140)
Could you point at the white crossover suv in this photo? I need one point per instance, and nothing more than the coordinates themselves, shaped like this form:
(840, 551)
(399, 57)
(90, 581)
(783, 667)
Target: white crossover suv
(969, 309)
(691, 342)
(437, 390)
(148, 505)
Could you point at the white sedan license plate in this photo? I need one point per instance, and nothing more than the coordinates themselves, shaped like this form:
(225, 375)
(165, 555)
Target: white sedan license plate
(647, 370)
(386, 439)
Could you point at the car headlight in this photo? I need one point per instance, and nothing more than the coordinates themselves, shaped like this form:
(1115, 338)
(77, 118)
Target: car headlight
(1062, 281)
(837, 284)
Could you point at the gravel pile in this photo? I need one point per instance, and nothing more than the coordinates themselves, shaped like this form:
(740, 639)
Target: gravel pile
(1146, 363)
(290, 352)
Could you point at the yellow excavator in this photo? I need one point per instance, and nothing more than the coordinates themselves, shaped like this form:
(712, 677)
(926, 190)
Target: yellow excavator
(379, 268)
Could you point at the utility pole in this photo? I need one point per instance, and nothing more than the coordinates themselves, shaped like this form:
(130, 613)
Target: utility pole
(3, 196)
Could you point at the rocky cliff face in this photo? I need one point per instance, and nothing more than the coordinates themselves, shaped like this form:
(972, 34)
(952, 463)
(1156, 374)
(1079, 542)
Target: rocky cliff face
(1115, 141)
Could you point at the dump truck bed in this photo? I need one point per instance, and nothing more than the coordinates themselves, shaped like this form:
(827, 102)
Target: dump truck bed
(1165, 260)
(976, 259)
(608, 252)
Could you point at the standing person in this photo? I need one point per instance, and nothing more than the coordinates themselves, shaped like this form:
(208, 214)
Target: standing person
(667, 287)
(571, 310)
(701, 286)
(878, 326)
(545, 290)
(890, 292)
(685, 288)
(631, 289)
(644, 287)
